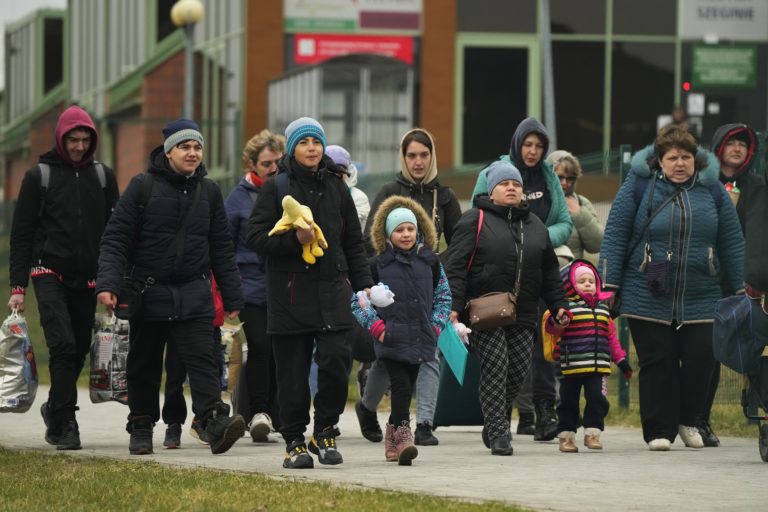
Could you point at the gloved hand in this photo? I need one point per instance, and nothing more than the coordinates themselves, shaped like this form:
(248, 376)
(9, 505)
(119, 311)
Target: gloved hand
(625, 368)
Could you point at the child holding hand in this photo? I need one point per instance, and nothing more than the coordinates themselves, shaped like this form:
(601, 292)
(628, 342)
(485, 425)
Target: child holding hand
(586, 348)
(402, 235)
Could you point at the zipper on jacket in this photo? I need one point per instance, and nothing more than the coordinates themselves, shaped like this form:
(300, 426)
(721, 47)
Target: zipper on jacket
(597, 335)
(680, 259)
(711, 260)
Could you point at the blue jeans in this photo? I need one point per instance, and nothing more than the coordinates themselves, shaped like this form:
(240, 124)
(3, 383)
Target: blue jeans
(427, 385)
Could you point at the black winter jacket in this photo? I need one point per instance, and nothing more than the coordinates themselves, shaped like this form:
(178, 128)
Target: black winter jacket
(65, 237)
(301, 297)
(137, 237)
(448, 208)
(495, 262)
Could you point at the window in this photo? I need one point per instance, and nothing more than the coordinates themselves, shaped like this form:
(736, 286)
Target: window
(642, 89)
(53, 58)
(495, 100)
(579, 70)
(165, 26)
(507, 16)
(649, 17)
(581, 17)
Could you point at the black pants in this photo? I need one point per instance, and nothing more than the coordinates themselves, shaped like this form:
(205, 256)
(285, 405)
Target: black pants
(402, 381)
(174, 405)
(675, 368)
(260, 368)
(597, 403)
(145, 364)
(67, 318)
(540, 384)
(714, 382)
(293, 356)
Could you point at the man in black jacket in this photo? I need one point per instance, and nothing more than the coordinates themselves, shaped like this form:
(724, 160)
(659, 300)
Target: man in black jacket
(63, 205)
(169, 236)
(310, 302)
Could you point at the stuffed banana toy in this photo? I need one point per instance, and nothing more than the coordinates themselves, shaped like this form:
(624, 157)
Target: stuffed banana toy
(299, 216)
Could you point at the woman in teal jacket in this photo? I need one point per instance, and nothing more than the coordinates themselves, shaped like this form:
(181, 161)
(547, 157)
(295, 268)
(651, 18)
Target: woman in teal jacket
(542, 187)
(673, 239)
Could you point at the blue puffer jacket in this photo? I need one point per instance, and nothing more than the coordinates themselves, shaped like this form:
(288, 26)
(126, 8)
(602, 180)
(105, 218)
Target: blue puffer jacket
(701, 233)
(239, 206)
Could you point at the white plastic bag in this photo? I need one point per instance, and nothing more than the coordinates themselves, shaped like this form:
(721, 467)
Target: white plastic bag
(109, 355)
(18, 371)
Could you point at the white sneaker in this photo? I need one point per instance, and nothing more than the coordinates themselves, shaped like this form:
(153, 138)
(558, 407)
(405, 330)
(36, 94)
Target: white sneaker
(260, 427)
(659, 445)
(690, 436)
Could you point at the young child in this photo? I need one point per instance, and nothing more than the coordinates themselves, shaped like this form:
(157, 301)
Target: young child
(407, 330)
(586, 347)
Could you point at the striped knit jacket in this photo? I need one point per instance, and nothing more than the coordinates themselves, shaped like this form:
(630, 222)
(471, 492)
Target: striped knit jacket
(589, 343)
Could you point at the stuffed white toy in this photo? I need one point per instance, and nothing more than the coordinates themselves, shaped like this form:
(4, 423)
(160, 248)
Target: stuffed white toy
(463, 331)
(380, 296)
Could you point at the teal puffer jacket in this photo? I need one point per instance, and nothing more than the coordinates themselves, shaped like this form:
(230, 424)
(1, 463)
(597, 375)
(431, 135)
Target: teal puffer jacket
(700, 233)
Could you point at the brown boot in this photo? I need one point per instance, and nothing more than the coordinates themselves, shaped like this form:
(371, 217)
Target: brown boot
(390, 444)
(406, 450)
(567, 444)
(592, 439)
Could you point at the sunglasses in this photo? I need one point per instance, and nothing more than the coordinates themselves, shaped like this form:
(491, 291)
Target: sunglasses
(757, 295)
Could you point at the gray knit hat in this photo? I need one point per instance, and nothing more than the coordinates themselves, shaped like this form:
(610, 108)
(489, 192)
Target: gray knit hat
(180, 130)
(502, 171)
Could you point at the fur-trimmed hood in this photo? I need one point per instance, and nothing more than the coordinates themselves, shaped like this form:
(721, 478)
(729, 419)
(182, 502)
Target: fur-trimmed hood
(379, 240)
(706, 164)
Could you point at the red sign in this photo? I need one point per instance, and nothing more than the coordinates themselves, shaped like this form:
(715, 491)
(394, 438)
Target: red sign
(314, 48)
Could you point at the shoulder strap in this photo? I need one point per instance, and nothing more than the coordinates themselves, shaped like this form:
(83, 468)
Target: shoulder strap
(45, 178)
(211, 190)
(435, 273)
(101, 173)
(477, 238)
(714, 189)
(145, 192)
(282, 184)
(178, 241)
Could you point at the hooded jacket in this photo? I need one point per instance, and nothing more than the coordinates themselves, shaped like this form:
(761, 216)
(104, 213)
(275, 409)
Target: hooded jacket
(413, 322)
(305, 298)
(64, 236)
(589, 343)
(239, 206)
(494, 266)
(558, 220)
(137, 236)
(703, 238)
(362, 205)
(744, 178)
(428, 193)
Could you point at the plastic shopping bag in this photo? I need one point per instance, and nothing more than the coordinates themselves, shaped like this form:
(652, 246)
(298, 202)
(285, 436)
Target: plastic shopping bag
(109, 355)
(233, 349)
(18, 371)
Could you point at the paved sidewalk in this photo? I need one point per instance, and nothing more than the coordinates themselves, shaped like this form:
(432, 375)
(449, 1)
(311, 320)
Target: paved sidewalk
(624, 476)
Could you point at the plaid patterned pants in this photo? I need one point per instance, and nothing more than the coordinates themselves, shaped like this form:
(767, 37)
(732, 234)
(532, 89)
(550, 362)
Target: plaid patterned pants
(505, 357)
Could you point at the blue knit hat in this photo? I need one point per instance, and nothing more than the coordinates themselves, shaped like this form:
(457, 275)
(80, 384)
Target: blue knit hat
(180, 130)
(301, 128)
(397, 217)
(501, 171)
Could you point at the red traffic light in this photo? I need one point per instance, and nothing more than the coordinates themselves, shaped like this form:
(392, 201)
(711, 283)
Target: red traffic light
(686, 86)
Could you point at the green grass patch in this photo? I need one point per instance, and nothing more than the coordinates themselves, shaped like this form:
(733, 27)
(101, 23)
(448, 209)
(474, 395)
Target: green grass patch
(38, 481)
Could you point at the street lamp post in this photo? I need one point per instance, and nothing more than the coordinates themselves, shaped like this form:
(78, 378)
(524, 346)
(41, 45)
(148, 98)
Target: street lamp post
(184, 14)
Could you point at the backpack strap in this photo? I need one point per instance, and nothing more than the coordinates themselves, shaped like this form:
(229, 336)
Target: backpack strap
(477, 238)
(45, 179)
(145, 192)
(282, 183)
(101, 173)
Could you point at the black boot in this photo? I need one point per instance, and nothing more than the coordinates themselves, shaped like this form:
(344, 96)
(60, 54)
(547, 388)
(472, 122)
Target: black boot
(52, 425)
(546, 421)
(707, 434)
(140, 428)
(369, 423)
(224, 430)
(501, 446)
(424, 436)
(526, 425)
(70, 436)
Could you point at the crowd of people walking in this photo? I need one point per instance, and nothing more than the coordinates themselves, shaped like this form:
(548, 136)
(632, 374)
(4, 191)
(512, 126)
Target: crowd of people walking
(298, 254)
